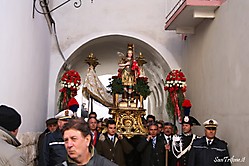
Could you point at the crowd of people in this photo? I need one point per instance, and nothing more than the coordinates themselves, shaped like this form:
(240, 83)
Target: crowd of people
(70, 141)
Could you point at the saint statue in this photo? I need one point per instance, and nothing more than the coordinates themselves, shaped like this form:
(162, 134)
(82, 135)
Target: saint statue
(129, 71)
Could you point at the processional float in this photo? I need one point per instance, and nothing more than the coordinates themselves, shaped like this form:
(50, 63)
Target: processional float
(129, 89)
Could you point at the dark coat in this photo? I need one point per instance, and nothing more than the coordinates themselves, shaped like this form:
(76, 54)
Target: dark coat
(171, 158)
(54, 151)
(152, 156)
(215, 154)
(114, 151)
(40, 147)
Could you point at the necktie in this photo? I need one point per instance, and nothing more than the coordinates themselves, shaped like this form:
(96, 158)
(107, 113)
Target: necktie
(209, 142)
(168, 140)
(112, 139)
(154, 142)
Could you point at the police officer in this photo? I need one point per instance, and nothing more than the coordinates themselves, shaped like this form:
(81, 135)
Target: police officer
(54, 151)
(209, 150)
(182, 144)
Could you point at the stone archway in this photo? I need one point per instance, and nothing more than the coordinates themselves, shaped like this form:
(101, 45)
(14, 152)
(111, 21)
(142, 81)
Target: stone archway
(105, 49)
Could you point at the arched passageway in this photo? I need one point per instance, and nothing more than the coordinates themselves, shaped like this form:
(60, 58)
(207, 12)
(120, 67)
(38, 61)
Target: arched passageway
(105, 49)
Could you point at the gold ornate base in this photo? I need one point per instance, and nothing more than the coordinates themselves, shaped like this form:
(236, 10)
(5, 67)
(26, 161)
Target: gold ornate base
(129, 121)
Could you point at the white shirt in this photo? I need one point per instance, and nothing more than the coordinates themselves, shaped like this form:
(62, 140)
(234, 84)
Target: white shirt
(167, 138)
(209, 141)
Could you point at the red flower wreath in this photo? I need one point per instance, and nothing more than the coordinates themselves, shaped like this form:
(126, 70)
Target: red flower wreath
(176, 85)
(70, 81)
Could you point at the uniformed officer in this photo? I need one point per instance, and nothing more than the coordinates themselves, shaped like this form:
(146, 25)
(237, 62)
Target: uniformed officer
(209, 150)
(182, 144)
(54, 151)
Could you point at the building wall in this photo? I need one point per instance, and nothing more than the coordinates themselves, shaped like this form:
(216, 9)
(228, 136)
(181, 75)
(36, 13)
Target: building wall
(24, 65)
(216, 65)
(142, 20)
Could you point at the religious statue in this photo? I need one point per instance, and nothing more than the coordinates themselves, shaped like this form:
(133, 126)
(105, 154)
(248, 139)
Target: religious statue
(133, 87)
(129, 72)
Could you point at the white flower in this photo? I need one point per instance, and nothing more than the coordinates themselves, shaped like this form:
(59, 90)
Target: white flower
(72, 84)
(69, 86)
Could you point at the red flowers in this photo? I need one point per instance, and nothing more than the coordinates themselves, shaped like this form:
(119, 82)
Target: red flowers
(175, 80)
(71, 79)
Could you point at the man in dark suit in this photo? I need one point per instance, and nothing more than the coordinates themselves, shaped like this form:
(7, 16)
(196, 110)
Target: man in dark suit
(152, 148)
(112, 145)
(209, 150)
(92, 121)
(167, 138)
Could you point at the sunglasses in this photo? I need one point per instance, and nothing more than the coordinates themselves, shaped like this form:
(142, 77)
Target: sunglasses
(211, 128)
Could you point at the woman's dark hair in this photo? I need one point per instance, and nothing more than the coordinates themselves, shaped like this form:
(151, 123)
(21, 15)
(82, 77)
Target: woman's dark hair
(80, 125)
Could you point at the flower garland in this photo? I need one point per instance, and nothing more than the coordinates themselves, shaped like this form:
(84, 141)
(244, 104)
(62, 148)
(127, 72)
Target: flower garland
(70, 81)
(176, 86)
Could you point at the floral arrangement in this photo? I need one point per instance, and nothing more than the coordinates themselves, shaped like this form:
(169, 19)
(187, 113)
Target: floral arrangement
(176, 86)
(141, 87)
(175, 80)
(70, 81)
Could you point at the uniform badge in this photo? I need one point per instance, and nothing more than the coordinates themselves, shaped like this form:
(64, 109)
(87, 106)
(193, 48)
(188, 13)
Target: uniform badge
(186, 119)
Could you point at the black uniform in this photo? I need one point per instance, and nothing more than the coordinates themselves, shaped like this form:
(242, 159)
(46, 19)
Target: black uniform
(215, 154)
(187, 141)
(54, 151)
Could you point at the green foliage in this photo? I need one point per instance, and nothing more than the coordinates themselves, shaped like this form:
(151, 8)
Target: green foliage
(64, 98)
(115, 85)
(170, 107)
(141, 87)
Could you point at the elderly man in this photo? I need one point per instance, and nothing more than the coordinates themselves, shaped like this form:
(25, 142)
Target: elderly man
(209, 150)
(167, 138)
(77, 137)
(54, 151)
(10, 121)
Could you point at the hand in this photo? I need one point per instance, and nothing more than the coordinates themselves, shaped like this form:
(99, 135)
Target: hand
(120, 136)
(149, 137)
(167, 147)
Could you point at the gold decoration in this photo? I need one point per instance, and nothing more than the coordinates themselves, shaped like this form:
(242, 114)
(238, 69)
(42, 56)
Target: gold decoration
(92, 61)
(128, 121)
